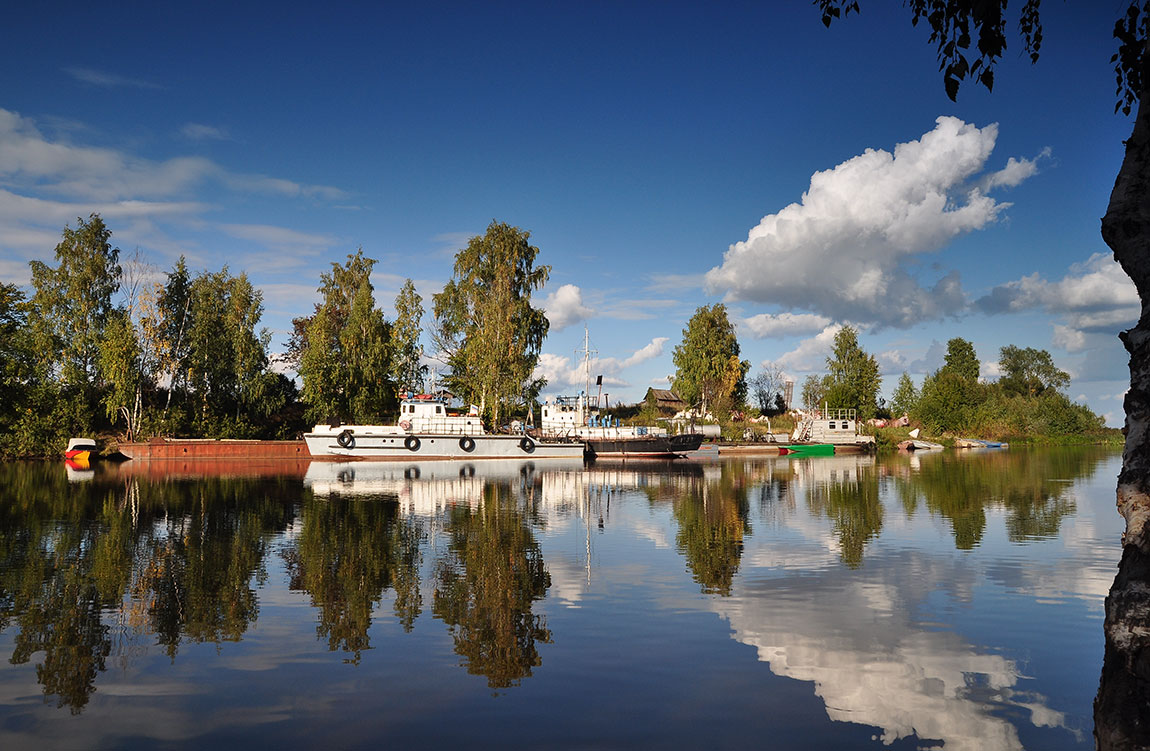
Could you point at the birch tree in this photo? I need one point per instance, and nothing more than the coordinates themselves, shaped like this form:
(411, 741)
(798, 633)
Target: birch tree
(485, 326)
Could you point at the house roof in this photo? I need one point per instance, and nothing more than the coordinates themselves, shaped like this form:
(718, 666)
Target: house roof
(666, 396)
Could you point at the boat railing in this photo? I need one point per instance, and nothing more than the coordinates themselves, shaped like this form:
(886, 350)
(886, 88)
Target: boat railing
(446, 426)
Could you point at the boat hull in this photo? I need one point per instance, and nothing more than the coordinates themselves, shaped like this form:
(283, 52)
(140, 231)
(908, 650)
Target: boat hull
(645, 446)
(431, 446)
(209, 448)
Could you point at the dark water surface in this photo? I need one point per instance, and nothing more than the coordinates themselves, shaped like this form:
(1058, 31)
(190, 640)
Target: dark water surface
(951, 600)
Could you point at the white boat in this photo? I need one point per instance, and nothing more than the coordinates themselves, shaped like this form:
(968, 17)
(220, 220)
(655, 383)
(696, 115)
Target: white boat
(578, 418)
(427, 430)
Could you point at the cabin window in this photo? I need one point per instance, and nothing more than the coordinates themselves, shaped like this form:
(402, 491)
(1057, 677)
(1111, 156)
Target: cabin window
(832, 425)
(846, 426)
(438, 410)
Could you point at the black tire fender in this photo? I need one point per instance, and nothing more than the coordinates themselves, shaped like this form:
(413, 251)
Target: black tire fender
(467, 443)
(527, 445)
(411, 443)
(346, 439)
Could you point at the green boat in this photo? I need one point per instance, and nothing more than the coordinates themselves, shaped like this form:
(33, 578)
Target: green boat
(808, 449)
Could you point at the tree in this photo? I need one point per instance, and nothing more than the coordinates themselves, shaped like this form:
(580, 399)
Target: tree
(854, 377)
(407, 371)
(120, 368)
(347, 348)
(814, 391)
(485, 325)
(961, 359)
(16, 360)
(72, 301)
(1029, 371)
(905, 397)
(767, 389)
(708, 370)
(226, 361)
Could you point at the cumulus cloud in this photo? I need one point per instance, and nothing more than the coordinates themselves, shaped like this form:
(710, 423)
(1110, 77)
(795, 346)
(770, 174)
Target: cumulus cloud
(565, 306)
(848, 250)
(811, 354)
(1095, 297)
(651, 351)
(766, 325)
(564, 374)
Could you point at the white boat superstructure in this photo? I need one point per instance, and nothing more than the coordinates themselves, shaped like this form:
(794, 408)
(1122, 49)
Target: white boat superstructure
(427, 430)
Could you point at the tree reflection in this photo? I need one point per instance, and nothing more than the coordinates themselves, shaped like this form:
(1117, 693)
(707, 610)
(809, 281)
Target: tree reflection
(486, 583)
(174, 559)
(851, 501)
(713, 518)
(1034, 489)
(348, 553)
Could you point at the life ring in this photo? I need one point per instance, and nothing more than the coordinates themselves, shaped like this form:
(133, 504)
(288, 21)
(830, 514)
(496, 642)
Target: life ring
(411, 443)
(467, 443)
(346, 439)
(527, 445)
(405, 424)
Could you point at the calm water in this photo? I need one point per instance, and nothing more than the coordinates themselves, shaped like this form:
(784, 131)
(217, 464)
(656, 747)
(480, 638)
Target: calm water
(948, 600)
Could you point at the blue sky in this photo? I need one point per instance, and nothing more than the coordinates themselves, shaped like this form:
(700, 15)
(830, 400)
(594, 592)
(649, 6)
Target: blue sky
(663, 155)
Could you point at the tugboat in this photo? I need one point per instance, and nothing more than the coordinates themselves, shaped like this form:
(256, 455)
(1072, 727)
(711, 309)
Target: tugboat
(427, 430)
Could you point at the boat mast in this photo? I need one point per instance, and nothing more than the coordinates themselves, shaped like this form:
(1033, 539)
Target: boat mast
(585, 401)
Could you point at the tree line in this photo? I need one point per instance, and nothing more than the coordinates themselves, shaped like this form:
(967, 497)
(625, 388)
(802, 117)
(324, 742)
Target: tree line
(104, 344)
(1027, 399)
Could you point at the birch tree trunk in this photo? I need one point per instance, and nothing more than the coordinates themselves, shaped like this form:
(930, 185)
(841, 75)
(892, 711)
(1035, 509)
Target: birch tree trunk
(1122, 708)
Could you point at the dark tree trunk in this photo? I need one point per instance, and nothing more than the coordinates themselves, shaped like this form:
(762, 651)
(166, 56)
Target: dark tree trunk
(1122, 708)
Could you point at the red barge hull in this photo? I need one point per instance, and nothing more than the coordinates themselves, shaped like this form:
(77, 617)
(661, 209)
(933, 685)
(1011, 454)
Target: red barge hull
(211, 448)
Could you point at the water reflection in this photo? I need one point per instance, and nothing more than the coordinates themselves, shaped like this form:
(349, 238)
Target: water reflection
(831, 569)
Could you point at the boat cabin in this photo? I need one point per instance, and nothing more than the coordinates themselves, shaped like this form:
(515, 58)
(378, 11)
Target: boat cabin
(424, 413)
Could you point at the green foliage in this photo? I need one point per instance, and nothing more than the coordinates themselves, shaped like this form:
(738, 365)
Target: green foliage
(72, 302)
(854, 379)
(347, 349)
(814, 391)
(708, 371)
(905, 398)
(120, 368)
(407, 371)
(1030, 371)
(227, 357)
(961, 359)
(485, 324)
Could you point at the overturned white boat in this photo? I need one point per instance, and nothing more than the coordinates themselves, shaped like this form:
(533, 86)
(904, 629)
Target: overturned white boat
(427, 430)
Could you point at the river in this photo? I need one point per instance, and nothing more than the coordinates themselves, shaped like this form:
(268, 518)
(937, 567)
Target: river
(944, 600)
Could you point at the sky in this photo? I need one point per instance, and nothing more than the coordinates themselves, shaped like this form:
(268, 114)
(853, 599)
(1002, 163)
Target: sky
(663, 156)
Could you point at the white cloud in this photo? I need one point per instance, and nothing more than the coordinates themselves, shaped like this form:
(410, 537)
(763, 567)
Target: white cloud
(1093, 302)
(277, 237)
(811, 354)
(565, 375)
(201, 132)
(97, 173)
(108, 80)
(765, 325)
(653, 349)
(565, 306)
(847, 251)
(1015, 172)
(1095, 296)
